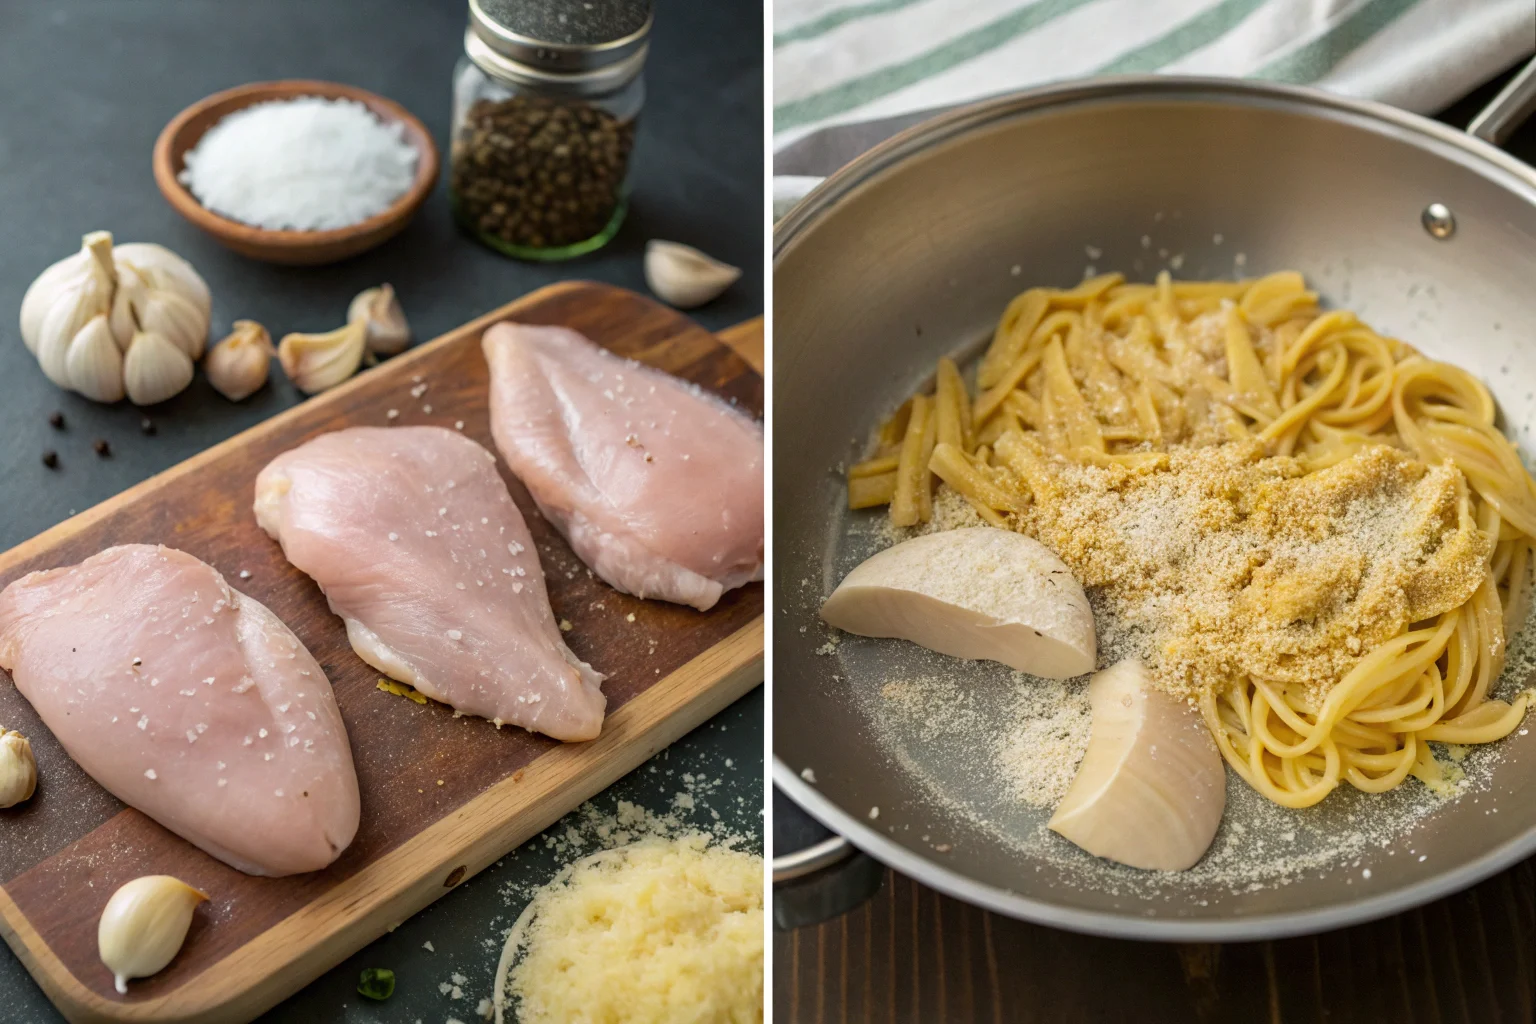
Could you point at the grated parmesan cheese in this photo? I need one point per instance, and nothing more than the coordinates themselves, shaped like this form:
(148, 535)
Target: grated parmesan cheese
(659, 930)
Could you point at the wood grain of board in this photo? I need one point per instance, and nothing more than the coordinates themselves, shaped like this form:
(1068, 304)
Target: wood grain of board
(442, 796)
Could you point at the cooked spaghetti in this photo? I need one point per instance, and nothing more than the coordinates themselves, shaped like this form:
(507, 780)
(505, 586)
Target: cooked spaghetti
(1319, 535)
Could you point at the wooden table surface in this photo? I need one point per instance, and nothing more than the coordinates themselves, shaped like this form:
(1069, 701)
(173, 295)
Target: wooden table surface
(914, 955)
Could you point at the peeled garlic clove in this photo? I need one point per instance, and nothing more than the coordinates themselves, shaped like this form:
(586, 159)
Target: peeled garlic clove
(1151, 789)
(154, 369)
(683, 276)
(18, 770)
(94, 363)
(315, 362)
(978, 592)
(384, 320)
(238, 366)
(144, 925)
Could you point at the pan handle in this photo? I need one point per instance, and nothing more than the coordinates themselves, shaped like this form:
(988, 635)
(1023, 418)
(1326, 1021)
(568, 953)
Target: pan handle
(830, 851)
(1509, 109)
(817, 874)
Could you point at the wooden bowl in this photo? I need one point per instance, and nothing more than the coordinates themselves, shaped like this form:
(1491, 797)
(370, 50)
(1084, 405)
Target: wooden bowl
(290, 247)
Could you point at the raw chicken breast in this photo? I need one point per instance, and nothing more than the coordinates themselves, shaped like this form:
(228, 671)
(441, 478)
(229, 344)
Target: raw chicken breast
(657, 485)
(416, 543)
(188, 701)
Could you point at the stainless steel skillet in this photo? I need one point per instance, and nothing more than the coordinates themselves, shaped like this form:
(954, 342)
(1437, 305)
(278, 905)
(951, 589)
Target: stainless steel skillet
(912, 250)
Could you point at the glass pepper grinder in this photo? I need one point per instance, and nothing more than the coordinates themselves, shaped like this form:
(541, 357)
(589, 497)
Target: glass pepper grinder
(545, 100)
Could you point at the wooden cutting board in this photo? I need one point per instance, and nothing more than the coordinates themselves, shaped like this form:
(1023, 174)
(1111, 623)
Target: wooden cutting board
(442, 797)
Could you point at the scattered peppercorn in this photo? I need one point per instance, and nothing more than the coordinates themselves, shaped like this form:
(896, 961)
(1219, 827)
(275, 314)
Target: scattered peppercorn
(102, 448)
(51, 459)
(56, 420)
(148, 426)
(539, 172)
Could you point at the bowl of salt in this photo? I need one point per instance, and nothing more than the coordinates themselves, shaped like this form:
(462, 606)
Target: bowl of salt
(296, 172)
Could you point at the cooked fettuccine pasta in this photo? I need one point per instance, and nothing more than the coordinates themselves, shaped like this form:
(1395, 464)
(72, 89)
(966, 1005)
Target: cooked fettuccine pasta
(1310, 530)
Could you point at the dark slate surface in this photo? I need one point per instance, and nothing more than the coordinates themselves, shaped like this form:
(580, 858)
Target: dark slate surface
(85, 87)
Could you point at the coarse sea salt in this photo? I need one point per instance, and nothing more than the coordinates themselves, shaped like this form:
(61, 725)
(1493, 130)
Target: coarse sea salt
(305, 164)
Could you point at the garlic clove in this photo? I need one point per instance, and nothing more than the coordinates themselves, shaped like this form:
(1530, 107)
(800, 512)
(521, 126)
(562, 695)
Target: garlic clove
(168, 313)
(91, 266)
(68, 304)
(94, 363)
(315, 362)
(130, 295)
(238, 366)
(163, 270)
(379, 310)
(683, 276)
(143, 926)
(73, 308)
(39, 298)
(154, 369)
(18, 769)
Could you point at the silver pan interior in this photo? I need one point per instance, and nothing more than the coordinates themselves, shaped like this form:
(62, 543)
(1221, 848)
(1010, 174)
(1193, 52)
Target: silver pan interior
(912, 252)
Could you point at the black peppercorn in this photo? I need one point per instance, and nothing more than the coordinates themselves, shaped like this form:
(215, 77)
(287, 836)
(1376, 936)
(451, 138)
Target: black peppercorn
(102, 447)
(56, 420)
(51, 459)
(147, 425)
(537, 172)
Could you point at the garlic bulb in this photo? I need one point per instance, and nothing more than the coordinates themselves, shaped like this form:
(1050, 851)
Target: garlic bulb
(154, 368)
(18, 770)
(133, 289)
(683, 276)
(380, 312)
(144, 925)
(315, 362)
(238, 366)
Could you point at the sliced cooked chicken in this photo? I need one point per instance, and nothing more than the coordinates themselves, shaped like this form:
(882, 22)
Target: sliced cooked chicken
(657, 485)
(1151, 789)
(188, 701)
(416, 543)
(976, 592)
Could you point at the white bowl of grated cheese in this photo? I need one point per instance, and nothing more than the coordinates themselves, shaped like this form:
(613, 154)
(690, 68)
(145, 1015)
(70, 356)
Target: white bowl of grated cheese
(361, 166)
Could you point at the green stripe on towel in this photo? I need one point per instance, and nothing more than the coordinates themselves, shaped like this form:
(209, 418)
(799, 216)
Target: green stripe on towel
(1311, 61)
(1200, 31)
(838, 18)
(869, 87)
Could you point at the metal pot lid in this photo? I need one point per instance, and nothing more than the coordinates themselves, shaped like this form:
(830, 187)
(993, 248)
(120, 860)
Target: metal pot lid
(562, 36)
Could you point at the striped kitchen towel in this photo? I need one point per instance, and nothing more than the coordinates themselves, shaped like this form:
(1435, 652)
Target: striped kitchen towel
(886, 62)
